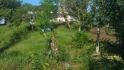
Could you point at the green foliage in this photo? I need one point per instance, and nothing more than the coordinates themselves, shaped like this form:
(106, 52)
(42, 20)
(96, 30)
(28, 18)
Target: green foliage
(8, 9)
(19, 33)
(102, 12)
(78, 9)
(35, 61)
(63, 55)
(104, 64)
(11, 4)
(81, 39)
(4, 13)
(45, 13)
(14, 35)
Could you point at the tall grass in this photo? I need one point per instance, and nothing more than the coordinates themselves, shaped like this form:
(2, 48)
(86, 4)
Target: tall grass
(12, 35)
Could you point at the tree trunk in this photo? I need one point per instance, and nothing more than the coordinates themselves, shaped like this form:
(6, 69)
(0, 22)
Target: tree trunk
(97, 42)
(79, 28)
(68, 24)
(53, 45)
(79, 25)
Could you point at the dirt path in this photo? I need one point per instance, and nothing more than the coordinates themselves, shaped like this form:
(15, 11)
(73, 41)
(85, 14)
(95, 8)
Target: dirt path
(103, 35)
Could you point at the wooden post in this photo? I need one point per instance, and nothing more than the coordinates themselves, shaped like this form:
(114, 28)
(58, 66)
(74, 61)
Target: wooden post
(97, 41)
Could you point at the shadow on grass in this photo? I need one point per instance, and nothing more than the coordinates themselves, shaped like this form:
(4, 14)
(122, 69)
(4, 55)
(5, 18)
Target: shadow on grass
(108, 49)
(105, 64)
(113, 48)
(8, 45)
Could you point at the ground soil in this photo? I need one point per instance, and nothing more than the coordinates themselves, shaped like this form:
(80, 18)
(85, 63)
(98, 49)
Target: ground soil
(103, 35)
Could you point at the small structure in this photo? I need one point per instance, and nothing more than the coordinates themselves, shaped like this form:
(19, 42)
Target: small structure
(2, 21)
(62, 15)
(60, 19)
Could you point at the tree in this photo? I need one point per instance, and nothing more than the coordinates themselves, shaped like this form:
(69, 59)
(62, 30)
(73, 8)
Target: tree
(78, 9)
(110, 12)
(48, 11)
(8, 7)
(98, 20)
(116, 16)
(11, 4)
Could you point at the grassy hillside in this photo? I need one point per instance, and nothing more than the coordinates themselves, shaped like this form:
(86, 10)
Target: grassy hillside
(33, 53)
(36, 43)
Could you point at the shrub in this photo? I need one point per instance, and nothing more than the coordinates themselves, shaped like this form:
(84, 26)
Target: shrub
(63, 55)
(81, 39)
(36, 60)
(14, 35)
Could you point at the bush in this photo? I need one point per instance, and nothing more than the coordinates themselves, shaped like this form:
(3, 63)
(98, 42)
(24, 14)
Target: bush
(105, 64)
(63, 55)
(14, 35)
(19, 33)
(36, 61)
(81, 39)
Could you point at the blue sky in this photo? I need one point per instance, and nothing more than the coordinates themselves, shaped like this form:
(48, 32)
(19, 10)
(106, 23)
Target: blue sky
(33, 2)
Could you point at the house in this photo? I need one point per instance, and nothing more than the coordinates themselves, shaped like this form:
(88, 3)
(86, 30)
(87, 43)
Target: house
(62, 15)
(60, 19)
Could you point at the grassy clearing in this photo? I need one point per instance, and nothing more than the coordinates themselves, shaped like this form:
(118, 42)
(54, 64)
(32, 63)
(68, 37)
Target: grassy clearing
(36, 43)
(32, 53)
(11, 35)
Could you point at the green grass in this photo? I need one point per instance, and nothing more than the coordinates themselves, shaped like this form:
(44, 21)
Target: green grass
(12, 34)
(19, 52)
(35, 42)
(31, 52)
